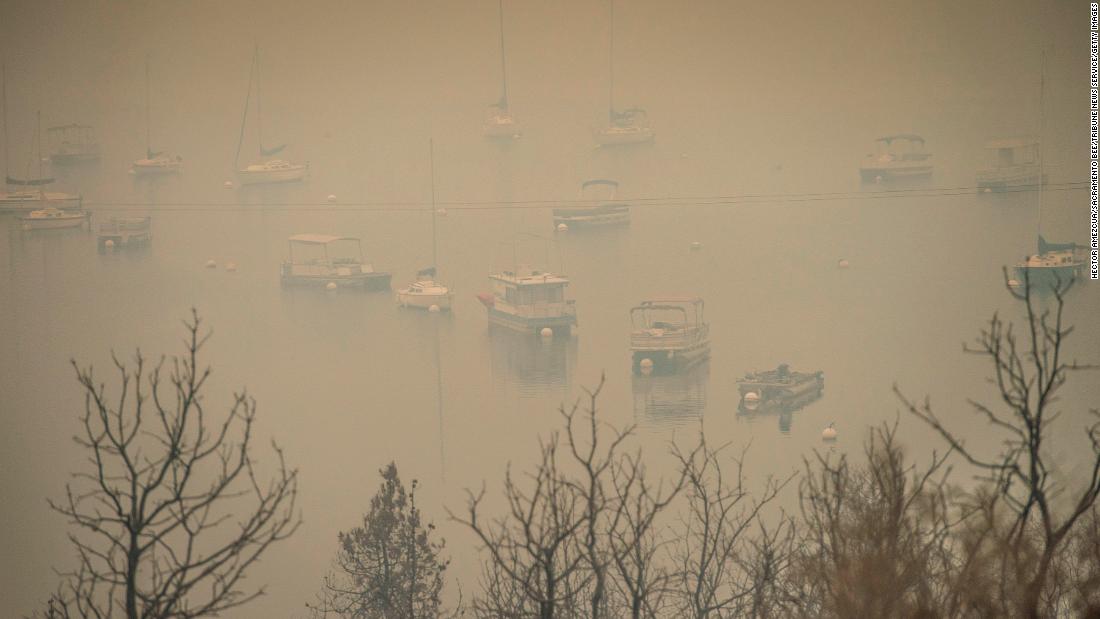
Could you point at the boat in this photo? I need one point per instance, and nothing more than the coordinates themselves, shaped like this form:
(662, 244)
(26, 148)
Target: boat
(31, 193)
(124, 232)
(427, 292)
(898, 157)
(154, 163)
(529, 301)
(501, 124)
(1011, 163)
(51, 218)
(72, 143)
(267, 170)
(330, 261)
(779, 389)
(1055, 264)
(669, 335)
(603, 209)
(629, 126)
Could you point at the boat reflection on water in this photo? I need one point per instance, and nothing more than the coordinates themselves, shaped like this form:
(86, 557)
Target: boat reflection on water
(531, 365)
(671, 399)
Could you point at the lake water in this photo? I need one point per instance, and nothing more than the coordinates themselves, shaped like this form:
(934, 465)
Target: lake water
(761, 114)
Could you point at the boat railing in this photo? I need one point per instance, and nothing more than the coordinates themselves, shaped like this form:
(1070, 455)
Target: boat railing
(545, 310)
(647, 340)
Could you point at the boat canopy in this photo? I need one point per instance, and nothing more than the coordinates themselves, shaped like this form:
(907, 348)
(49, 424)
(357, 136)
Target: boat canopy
(676, 304)
(909, 137)
(599, 181)
(319, 239)
(1046, 246)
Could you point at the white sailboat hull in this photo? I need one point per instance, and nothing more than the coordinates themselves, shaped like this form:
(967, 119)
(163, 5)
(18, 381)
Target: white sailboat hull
(425, 301)
(612, 136)
(280, 175)
(155, 167)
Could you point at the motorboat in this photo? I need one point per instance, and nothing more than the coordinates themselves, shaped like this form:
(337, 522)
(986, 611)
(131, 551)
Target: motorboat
(529, 301)
(124, 232)
(626, 127)
(1010, 164)
(669, 335)
(602, 208)
(898, 157)
(73, 143)
(322, 259)
(779, 390)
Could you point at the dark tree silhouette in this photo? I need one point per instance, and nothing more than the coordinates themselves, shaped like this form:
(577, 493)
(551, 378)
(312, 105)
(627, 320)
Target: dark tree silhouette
(1028, 372)
(170, 512)
(389, 567)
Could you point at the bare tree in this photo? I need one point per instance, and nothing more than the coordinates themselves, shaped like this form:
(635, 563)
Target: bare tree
(390, 567)
(873, 534)
(714, 535)
(1028, 373)
(535, 545)
(171, 512)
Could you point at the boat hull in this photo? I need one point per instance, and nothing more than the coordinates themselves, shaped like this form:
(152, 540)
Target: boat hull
(671, 361)
(363, 281)
(262, 177)
(502, 131)
(1001, 180)
(611, 137)
(153, 169)
(73, 158)
(560, 325)
(425, 301)
(592, 217)
(32, 201)
(781, 397)
(57, 223)
(873, 173)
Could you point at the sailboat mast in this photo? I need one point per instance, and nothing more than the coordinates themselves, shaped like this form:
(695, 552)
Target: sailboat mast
(611, 66)
(1042, 80)
(259, 113)
(148, 105)
(244, 116)
(503, 69)
(431, 168)
(4, 95)
(38, 142)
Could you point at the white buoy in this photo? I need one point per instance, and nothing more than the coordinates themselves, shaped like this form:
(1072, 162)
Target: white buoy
(109, 243)
(696, 246)
(878, 179)
(842, 263)
(442, 212)
(563, 228)
(228, 184)
(829, 433)
(433, 308)
(210, 264)
(330, 286)
(987, 190)
(1014, 283)
(231, 266)
(646, 366)
(547, 332)
(751, 400)
(331, 198)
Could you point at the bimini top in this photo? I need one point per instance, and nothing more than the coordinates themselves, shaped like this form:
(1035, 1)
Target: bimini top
(1017, 142)
(659, 301)
(319, 239)
(911, 137)
(599, 181)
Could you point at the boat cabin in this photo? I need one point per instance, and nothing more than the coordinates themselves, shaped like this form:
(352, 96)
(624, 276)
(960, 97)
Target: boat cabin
(902, 147)
(72, 142)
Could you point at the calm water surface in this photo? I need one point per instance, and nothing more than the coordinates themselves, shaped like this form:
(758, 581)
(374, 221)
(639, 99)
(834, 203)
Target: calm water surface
(347, 382)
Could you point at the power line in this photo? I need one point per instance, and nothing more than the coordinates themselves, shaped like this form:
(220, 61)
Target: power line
(641, 202)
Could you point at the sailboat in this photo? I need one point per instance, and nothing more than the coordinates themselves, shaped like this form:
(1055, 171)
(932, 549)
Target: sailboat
(31, 194)
(266, 170)
(628, 126)
(426, 292)
(500, 123)
(1055, 264)
(154, 163)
